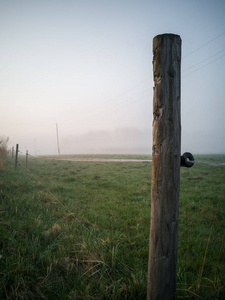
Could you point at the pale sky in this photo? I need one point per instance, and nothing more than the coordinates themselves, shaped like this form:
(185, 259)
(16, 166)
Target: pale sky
(87, 65)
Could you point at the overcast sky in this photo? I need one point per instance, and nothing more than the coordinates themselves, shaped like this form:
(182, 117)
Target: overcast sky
(87, 65)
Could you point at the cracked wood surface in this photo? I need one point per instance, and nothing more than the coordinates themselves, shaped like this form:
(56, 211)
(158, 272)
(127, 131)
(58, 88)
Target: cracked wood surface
(165, 167)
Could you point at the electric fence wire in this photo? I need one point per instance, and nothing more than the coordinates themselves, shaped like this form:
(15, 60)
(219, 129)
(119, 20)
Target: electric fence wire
(203, 61)
(129, 269)
(219, 164)
(208, 42)
(209, 240)
(130, 100)
(204, 66)
(202, 46)
(139, 96)
(115, 106)
(78, 220)
(209, 163)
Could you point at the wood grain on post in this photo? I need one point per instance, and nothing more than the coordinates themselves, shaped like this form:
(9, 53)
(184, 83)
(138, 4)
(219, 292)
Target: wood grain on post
(165, 184)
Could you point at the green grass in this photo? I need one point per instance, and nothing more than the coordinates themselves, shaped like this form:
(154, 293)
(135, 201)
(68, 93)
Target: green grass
(80, 230)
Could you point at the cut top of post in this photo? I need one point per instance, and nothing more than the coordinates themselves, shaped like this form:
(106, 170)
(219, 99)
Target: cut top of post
(165, 42)
(167, 34)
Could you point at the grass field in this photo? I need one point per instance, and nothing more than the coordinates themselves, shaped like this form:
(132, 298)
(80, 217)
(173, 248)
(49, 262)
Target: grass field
(80, 230)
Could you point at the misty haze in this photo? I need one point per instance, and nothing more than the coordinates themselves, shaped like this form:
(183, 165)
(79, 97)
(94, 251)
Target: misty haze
(84, 80)
(119, 141)
(87, 65)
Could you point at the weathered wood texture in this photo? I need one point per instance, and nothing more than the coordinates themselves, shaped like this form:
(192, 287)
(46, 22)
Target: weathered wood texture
(165, 168)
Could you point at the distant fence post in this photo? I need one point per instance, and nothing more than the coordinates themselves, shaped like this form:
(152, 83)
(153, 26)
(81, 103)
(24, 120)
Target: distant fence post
(162, 267)
(16, 156)
(12, 152)
(57, 134)
(26, 164)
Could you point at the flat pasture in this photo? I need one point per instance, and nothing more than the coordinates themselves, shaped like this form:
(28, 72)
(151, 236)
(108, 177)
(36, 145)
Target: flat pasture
(73, 229)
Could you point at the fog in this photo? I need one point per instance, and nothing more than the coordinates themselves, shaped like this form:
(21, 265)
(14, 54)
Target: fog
(87, 65)
(119, 141)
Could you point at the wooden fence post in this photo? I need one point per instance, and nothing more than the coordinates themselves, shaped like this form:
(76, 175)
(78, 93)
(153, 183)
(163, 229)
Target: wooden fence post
(16, 156)
(162, 267)
(12, 152)
(57, 135)
(26, 164)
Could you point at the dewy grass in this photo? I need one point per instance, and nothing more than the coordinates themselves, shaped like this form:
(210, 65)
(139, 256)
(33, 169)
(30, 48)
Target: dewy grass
(80, 230)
